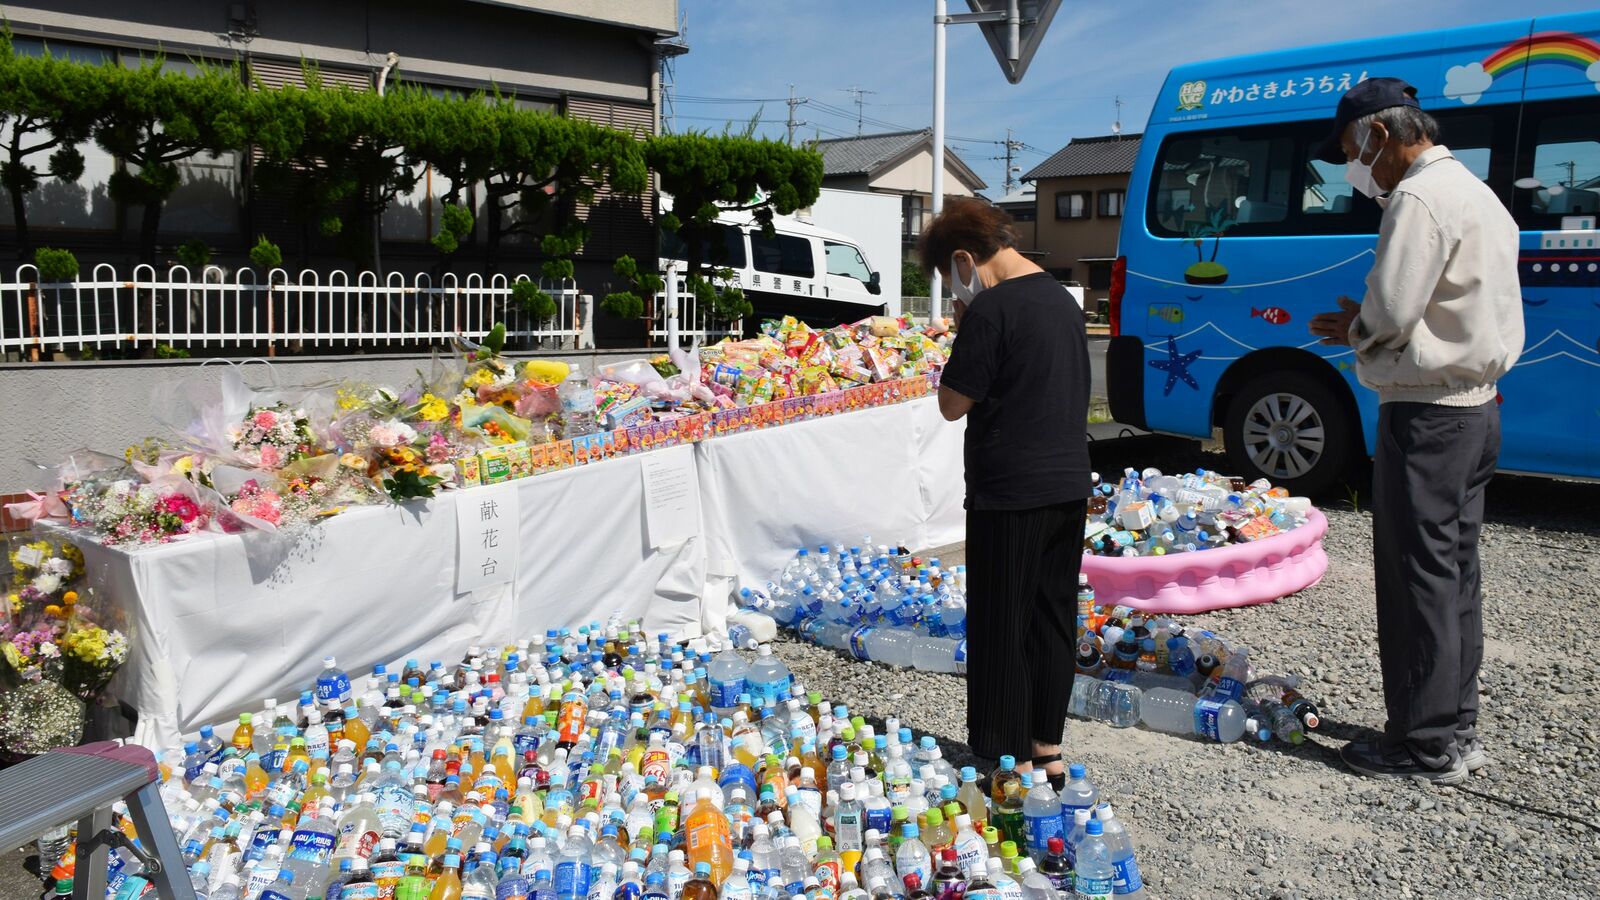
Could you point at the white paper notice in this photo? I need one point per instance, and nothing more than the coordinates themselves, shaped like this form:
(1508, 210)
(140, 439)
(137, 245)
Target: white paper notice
(487, 521)
(669, 500)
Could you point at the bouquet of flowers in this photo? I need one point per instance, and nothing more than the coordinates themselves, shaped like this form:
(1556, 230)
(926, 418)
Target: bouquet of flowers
(57, 656)
(127, 511)
(271, 437)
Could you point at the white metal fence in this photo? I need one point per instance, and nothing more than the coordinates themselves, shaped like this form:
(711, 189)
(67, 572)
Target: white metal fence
(693, 323)
(282, 311)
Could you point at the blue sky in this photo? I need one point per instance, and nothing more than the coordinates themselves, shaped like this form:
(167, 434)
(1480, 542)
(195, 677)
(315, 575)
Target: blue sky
(745, 50)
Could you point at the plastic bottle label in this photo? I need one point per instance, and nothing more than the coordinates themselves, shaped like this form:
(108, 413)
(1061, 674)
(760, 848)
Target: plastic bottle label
(333, 687)
(879, 818)
(970, 852)
(1090, 888)
(961, 657)
(273, 895)
(312, 846)
(512, 889)
(1205, 718)
(1041, 829)
(1126, 878)
(858, 642)
(572, 879)
(725, 694)
(847, 830)
(1229, 687)
(365, 890)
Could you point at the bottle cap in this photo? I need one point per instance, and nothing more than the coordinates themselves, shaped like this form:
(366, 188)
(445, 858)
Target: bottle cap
(1095, 828)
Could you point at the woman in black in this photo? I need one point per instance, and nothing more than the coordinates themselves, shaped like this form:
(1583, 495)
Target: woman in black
(1019, 373)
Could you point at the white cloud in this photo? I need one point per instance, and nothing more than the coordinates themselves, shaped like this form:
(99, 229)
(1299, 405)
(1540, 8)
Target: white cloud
(1467, 83)
(1594, 73)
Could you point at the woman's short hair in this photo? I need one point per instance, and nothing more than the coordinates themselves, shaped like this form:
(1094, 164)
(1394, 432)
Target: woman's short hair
(965, 223)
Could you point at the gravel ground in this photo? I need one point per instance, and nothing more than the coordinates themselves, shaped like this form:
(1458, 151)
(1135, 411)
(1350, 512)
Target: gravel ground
(1271, 821)
(1274, 821)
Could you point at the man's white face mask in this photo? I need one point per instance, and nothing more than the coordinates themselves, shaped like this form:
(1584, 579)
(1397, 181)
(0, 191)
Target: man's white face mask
(1359, 173)
(964, 290)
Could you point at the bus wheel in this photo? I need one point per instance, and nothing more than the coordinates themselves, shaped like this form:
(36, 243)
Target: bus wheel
(1291, 429)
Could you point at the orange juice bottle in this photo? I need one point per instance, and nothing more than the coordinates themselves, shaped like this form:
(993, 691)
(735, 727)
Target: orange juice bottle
(297, 751)
(255, 777)
(355, 729)
(707, 838)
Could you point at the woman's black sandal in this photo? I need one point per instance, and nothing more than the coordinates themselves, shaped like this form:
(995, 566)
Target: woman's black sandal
(1058, 781)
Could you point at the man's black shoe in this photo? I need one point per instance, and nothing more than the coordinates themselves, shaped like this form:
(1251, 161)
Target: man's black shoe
(1370, 758)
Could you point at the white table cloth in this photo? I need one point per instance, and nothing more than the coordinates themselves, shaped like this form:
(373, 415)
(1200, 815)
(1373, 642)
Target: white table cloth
(219, 629)
(893, 472)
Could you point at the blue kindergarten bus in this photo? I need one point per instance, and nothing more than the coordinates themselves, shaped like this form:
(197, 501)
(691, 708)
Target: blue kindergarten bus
(1235, 237)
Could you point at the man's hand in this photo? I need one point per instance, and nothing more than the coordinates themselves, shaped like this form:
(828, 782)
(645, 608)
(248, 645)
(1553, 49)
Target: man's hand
(1334, 327)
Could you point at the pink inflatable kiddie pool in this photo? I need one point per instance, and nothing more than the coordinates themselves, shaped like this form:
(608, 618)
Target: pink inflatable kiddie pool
(1237, 575)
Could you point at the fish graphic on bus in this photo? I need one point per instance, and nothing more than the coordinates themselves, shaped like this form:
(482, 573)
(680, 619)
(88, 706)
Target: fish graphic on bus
(1274, 315)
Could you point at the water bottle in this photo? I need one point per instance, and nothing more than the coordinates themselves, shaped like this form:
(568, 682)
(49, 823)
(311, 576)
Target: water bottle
(1126, 880)
(572, 869)
(1035, 886)
(728, 673)
(1115, 702)
(1094, 878)
(1041, 812)
(1080, 793)
(1175, 712)
(768, 676)
(577, 404)
(52, 845)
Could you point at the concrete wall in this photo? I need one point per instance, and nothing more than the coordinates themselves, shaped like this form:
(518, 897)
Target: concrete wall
(50, 409)
(1065, 241)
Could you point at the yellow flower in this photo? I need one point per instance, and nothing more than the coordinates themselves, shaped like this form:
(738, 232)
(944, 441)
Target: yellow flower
(15, 600)
(183, 466)
(53, 610)
(432, 408)
(479, 378)
(69, 598)
(353, 461)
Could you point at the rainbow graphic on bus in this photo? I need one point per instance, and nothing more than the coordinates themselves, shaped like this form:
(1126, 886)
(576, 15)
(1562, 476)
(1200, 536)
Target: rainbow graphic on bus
(1467, 83)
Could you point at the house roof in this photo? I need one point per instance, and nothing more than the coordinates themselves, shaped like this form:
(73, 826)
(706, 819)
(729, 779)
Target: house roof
(870, 154)
(1108, 154)
(1022, 196)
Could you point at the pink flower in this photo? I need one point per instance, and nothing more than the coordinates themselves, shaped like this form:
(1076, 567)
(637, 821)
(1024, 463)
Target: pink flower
(265, 418)
(270, 456)
(180, 506)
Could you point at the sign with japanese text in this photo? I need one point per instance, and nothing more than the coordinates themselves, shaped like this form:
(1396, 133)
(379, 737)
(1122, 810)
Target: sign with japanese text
(487, 520)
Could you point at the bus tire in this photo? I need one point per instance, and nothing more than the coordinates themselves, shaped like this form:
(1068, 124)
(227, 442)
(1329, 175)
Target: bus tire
(1290, 428)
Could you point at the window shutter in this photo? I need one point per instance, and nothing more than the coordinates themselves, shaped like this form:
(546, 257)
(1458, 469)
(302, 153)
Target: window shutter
(618, 224)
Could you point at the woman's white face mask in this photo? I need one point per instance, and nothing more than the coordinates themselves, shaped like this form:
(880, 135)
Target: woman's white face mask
(964, 290)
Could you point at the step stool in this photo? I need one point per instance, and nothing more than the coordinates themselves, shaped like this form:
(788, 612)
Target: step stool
(80, 784)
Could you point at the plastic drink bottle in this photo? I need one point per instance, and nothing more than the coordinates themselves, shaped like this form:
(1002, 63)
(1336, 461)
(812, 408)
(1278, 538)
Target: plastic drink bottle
(1093, 876)
(768, 676)
(972, 799)
(1079, 793)
(912, 857)
(332, 682)
(1005, 774)
(727, 672)
(1175, 712)
(1057, 868)
(1126, 880)
(1041, 811)
(577, 404)
(448, 885)
(701, 886)
(1035, 886)
(971, 851)
(1008, 814)
(1007, 886)
(707, 838)
(979, 887)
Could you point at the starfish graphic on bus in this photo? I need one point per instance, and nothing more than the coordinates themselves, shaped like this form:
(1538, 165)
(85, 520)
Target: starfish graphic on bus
(1176, 365)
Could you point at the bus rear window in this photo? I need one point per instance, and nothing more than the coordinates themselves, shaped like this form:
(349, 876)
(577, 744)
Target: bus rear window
(1214, 181)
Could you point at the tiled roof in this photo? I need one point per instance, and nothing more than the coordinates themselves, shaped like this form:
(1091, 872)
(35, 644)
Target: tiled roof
(1106, 155)
(1021, 196)
(862, 155)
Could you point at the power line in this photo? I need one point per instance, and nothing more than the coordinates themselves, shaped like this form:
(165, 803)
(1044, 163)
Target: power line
(858, 93)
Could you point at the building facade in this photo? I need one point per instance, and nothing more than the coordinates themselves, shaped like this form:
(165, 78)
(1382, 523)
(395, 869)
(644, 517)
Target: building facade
(585, 58)
(1079, 193)
(901, 163)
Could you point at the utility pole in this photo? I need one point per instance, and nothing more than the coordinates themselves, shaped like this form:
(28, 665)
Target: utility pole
(858, 94)
(1012, 146)
(1116, 126)
(793, 102)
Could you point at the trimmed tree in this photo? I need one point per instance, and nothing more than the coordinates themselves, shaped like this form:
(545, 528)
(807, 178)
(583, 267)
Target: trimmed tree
(707, 175)
(155, 118)
(51, 106)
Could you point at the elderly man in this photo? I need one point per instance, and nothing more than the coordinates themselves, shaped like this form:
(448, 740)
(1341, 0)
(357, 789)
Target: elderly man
(1440, 322)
